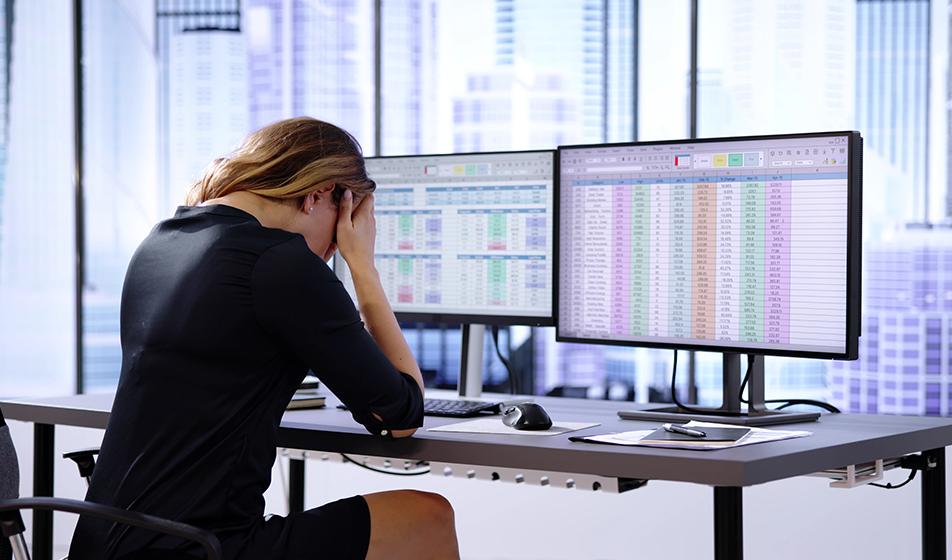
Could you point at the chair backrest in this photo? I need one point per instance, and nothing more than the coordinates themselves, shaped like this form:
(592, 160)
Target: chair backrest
(9, 467)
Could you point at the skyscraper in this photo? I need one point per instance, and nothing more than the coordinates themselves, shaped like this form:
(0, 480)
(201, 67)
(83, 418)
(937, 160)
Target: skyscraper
(907, 299)
(620, 67)
(193, 18)
(312, 58)
(408, 76)
(892, 100)
(906, 342)
(948, 116)
(208, 101)
(777, 67)
(515, 108)
(564, 40)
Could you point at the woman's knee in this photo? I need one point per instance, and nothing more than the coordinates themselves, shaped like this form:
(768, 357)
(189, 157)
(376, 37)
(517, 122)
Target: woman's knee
(432, 507)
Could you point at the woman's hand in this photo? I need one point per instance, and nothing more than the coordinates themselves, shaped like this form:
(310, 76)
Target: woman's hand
(357, 232)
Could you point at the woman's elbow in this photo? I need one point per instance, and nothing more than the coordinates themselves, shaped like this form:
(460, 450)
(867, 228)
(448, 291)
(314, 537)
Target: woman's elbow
(403, 433)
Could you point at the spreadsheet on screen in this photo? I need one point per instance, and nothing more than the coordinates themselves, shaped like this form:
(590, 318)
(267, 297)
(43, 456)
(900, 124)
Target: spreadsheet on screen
(465, 234)
(733, 243)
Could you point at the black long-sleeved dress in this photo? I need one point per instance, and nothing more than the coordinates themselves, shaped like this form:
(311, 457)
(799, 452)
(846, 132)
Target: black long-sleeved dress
(221, 318)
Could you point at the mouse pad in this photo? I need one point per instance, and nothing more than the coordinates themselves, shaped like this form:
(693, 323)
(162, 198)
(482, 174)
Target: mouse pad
(495, 426)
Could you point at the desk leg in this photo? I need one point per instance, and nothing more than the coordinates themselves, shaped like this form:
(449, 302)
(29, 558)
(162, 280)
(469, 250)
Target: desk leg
(933, 506)
(728, 523)
(296, 485)
(43, 441)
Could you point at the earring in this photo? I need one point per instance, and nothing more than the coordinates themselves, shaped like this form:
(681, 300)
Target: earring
(311, 209)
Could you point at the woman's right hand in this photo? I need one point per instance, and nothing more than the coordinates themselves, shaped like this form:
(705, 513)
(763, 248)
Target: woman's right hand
(356, 231)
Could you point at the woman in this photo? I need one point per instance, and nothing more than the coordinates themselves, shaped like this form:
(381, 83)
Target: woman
(225, 308)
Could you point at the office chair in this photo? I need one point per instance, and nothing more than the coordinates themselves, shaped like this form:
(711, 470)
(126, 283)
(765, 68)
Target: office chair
(11, 523)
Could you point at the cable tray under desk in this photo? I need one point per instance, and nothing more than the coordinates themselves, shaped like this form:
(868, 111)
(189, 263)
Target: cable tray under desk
(854, 476)
(551, 479)
(537, 478)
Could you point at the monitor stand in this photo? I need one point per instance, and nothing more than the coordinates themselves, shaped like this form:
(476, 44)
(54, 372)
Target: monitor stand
(730, 410)
(471, 361)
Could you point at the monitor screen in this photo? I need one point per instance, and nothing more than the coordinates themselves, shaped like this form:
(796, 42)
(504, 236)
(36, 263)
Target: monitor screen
(465, 238)
(732, 244)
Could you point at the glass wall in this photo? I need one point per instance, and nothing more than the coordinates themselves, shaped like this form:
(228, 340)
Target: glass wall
(37, 209)
(168, 86)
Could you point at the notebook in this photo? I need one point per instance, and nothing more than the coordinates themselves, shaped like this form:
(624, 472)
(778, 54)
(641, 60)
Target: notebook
(712, 436)
(306, 399)
(756, 435)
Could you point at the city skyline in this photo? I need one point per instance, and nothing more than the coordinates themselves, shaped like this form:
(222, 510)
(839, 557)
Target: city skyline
(145, 142)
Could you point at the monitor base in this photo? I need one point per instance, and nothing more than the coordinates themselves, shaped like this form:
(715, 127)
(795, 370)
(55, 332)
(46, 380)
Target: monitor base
(731, 410)
(675, 414)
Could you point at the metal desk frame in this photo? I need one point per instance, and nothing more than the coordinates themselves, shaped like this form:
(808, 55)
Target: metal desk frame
(837, 441)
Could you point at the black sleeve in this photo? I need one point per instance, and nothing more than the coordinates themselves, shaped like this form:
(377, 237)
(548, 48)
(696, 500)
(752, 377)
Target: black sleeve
(300, 301)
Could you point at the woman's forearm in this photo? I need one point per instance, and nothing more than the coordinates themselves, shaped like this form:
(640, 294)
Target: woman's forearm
(382, 324)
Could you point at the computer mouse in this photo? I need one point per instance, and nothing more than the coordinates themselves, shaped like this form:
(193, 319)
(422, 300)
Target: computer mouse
(526, 416)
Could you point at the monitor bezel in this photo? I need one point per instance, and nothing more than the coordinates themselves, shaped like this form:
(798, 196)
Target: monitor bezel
(853, 249)
(474, 318)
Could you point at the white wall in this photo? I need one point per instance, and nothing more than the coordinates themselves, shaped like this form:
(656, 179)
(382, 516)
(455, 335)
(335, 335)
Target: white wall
(793, 519)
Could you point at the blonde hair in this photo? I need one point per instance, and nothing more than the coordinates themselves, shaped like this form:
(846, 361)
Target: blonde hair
(287, 160)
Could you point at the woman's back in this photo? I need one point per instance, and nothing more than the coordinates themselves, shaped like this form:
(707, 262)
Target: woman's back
(221, 319)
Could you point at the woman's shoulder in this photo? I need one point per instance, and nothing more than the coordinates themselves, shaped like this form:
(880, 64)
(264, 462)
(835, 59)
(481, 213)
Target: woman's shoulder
(291, 255)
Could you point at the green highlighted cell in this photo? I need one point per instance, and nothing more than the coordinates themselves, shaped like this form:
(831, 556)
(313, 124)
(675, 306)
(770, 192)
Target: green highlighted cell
(497, 227)
(405, 267)
(752, 262)
(406, 224)
(735, 160)
(496, 276)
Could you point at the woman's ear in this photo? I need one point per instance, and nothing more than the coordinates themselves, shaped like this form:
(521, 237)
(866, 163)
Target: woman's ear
(310, 201)
(325, 194)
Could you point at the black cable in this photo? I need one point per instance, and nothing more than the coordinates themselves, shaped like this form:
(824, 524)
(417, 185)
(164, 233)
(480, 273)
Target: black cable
(348, 459)
(784, 403)
(513, 389)
(674, 389)
(743, 384)
(808, 402)
(889, 485)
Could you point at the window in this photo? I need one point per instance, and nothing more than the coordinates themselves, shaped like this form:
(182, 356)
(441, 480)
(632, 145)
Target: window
(37, 210)
(168, 86)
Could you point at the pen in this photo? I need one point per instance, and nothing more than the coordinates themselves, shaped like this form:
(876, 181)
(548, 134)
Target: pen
(682, 430)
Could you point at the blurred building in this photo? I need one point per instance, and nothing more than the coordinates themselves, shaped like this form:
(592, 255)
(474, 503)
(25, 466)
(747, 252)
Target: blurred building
(174, 19)
(903, 352)
(408, 76)
(545, 88)
(312, 58)
(906, 343)
(515, 109)
(892, 101)
(576, 54)
(208, 101)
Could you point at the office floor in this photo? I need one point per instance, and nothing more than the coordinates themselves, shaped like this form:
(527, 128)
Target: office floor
(794, 519)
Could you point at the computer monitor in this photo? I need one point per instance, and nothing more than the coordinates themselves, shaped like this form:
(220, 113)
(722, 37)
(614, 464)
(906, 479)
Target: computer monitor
(747, 245)
(465, 238)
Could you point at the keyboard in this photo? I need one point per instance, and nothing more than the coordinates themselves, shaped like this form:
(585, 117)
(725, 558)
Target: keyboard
(458, 408)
